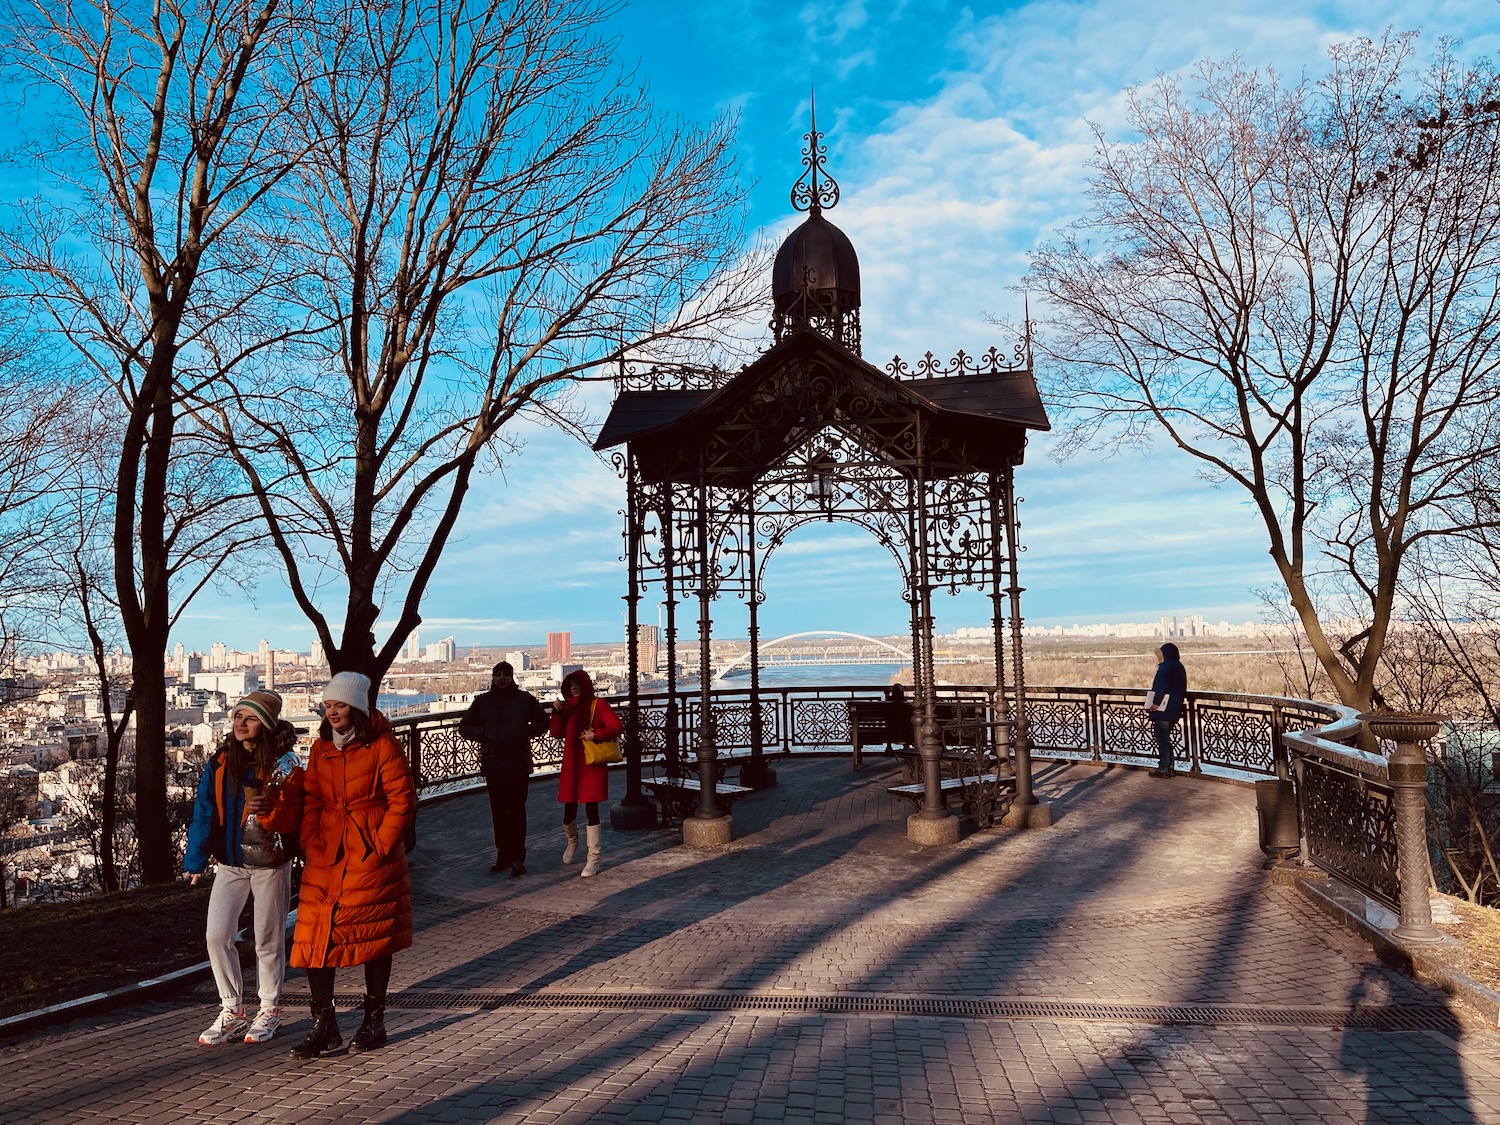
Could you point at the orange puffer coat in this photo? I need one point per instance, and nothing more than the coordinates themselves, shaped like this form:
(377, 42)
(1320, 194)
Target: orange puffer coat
(355, 903)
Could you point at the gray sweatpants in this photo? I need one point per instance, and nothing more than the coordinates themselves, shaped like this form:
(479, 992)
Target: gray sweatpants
(272, 890)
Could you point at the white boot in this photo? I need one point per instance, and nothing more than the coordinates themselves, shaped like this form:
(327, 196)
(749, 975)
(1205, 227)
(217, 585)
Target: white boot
(572, 849)
(595, 831)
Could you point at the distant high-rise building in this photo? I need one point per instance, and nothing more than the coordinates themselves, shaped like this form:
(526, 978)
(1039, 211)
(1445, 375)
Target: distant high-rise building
(444, 651)
(413, 646)
(218, 657)
(559, 647)
(177, 654)
(518, 660)
(315, 656)
(648, 647)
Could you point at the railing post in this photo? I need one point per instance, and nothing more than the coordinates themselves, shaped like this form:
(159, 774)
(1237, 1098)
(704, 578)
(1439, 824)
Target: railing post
(414, 761)
(1192, 735)
(1094, 710)
(1299, 773)
(1408, 778)
(785, 704)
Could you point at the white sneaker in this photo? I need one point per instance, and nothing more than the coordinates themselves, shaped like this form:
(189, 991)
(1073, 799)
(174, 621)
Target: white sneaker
(229, 1027)
(264, 1027)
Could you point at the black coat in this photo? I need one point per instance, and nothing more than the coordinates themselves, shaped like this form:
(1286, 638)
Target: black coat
(503, 723)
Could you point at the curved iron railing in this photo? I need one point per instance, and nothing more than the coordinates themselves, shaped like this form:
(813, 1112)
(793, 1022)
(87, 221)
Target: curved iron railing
(1221, 734)
(1343, 797)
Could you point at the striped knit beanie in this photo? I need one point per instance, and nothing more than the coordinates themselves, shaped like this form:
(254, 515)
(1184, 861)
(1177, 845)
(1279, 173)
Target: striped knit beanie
(264, 704)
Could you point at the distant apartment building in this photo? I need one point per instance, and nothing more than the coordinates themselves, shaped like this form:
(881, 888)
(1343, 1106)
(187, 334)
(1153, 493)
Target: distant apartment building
(559, 647)
(648, 647)
(233, 685)
(413, 647)
(519, 661)
(316, 656)
(444, 651)
(218, 657)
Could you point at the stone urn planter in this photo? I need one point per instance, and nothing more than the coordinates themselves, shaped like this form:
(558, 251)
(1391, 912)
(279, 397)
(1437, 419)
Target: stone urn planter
(1402, 726)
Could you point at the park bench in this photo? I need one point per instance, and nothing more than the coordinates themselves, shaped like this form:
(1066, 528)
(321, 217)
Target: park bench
(961, 726)
(983, 798)
(876, 721)
(678, 796)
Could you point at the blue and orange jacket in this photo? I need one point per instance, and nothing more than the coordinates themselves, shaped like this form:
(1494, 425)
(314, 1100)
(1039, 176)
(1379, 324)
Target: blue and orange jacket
(218, 827)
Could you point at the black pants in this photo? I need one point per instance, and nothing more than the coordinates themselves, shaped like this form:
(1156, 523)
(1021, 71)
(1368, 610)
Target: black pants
(508, 815)
(377, 980)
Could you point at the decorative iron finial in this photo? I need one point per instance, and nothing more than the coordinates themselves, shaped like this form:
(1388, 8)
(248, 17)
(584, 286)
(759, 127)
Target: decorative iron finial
(810, 193)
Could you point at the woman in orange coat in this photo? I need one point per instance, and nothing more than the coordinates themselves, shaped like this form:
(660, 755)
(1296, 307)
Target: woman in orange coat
(355, 904)
(579, 714)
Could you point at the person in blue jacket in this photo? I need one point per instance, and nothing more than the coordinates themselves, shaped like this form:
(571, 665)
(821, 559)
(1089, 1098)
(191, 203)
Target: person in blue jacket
(247, 815)
(1164, 703)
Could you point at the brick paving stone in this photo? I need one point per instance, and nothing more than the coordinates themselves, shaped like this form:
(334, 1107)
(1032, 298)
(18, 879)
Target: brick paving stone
(1138, 895)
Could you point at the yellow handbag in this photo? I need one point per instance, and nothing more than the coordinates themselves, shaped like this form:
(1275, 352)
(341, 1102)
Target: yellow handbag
(600, 753)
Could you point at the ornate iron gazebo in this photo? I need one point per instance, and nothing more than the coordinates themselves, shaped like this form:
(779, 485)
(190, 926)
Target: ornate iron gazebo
(721, 467)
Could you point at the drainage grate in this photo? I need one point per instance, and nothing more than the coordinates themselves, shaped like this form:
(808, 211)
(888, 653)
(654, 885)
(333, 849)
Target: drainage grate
(1391, 1018)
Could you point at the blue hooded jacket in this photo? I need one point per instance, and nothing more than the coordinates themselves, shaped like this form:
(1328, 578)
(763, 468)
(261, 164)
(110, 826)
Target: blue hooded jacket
(217, 830)
(1170, 684)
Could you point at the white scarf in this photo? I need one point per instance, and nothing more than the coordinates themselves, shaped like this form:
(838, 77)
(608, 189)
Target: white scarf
(341, 737)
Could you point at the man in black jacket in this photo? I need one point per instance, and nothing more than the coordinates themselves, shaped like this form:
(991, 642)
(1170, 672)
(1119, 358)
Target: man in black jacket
(503, 721)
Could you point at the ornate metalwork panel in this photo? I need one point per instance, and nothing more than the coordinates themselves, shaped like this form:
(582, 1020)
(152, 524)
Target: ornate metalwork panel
(1235, 737)
(445, 754)
(820, 722)
(671, 377)
(991, 362)
(1128, 733)
(1350, 824)
(1058, 724)
(732, 726)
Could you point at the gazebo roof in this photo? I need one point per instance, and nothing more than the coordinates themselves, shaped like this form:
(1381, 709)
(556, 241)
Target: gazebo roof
(981, 419)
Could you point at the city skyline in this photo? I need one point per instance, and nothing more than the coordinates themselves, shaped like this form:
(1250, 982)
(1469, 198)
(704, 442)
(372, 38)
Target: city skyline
(960, 136)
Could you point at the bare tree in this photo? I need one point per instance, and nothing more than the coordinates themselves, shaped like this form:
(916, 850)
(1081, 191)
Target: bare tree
(158, 125)
(1296, 285)
(34, 408)
(493, 213)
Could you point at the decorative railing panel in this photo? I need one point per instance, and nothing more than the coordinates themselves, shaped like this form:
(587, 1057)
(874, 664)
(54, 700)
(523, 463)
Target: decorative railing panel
(1232, 735)
(1349, 824)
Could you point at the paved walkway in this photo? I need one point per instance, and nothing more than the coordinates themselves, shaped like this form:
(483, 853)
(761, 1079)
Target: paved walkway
(1132, 964)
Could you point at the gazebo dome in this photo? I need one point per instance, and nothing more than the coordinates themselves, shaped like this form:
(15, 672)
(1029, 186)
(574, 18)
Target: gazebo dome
(815, 278)
(816, 256)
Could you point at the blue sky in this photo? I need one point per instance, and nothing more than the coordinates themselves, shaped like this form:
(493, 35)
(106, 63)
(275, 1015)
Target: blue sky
(959, 136)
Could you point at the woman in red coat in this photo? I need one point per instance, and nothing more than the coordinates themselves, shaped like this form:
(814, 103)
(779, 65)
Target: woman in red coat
(579, 714)
(355, 904)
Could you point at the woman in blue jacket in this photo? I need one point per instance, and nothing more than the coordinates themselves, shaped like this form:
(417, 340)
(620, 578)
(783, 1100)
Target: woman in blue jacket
(247, 815)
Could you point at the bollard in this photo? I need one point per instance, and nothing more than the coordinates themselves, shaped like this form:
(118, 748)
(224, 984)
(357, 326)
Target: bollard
(1408, 777)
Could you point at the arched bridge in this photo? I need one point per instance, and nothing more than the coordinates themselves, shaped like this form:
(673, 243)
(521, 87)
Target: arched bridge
(787, 659)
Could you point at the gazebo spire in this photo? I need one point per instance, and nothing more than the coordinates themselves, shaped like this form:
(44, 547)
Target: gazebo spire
(815, 189)
(815, 278)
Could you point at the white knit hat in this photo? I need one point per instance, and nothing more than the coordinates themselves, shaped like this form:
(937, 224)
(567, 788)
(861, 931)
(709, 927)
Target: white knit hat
(350, 688)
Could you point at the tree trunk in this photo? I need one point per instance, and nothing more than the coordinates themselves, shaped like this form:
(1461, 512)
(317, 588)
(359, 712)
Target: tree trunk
(109, 871)
(145, 611)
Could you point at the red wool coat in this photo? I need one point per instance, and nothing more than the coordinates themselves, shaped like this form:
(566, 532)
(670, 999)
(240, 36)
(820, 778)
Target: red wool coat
(355, 903)
(580, 782)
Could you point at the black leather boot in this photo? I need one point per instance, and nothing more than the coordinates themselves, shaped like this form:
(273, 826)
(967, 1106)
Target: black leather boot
(323, 1037)
(371, 1033)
